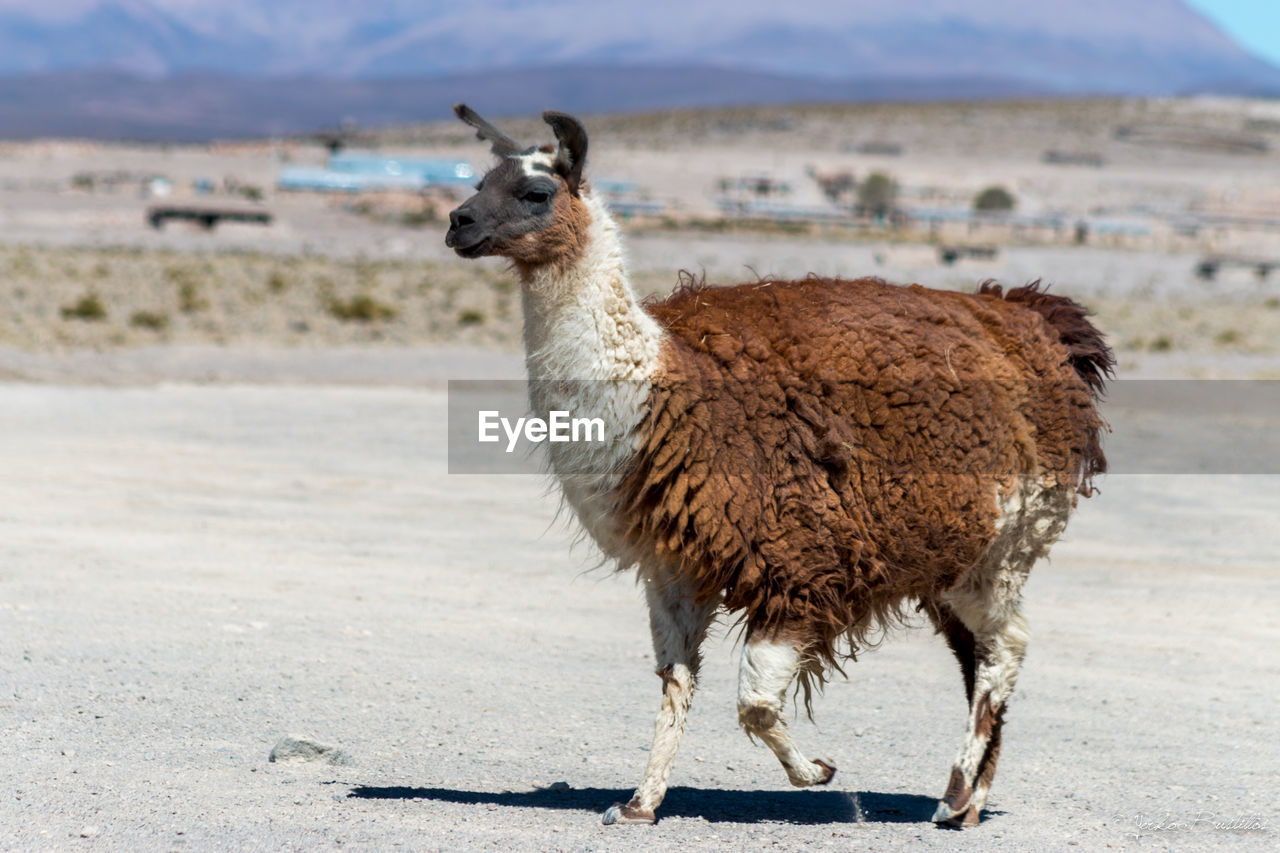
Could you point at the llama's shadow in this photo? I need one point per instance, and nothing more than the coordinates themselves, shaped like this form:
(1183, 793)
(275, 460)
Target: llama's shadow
(714, 805)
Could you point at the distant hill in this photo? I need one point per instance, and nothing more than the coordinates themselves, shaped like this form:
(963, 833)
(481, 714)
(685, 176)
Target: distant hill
(193, 69)
(194, 107)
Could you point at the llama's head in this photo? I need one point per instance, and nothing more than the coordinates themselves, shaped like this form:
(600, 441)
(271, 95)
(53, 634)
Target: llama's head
(528, 207)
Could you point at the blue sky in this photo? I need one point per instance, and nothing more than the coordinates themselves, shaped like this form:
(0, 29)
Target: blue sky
(1253, 23)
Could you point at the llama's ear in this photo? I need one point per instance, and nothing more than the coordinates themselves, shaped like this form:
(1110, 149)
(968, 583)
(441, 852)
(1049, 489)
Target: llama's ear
(571, 156)
(503, 145)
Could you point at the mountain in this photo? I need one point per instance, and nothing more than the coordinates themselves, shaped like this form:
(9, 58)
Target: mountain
(1098, 45)
(260, 66)
(199, 106)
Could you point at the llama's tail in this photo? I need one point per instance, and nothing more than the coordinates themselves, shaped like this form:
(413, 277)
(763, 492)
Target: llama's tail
(1087, 350)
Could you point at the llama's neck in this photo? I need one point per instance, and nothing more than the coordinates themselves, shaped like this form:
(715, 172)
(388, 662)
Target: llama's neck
(584, 322)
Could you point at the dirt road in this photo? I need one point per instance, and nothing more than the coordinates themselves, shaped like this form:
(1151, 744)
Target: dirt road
(190, 572)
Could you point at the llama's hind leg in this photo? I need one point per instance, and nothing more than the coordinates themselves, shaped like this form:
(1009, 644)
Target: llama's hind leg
(989, 642)
(678, 625)
(767, 670)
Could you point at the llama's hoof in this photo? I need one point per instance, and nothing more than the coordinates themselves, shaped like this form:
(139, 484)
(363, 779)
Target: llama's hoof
(946, 815)
(828, 770)
(818, 772)
(618, 813)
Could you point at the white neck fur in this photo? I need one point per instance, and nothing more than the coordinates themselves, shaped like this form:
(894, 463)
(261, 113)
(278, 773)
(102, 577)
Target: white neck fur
(585, 322)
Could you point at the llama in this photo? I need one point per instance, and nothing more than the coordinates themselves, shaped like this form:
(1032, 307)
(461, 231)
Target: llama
(815, 457)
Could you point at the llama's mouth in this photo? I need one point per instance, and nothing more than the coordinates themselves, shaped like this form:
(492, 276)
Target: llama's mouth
(474, 250)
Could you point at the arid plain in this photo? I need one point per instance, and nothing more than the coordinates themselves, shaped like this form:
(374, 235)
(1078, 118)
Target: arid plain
(226, 517)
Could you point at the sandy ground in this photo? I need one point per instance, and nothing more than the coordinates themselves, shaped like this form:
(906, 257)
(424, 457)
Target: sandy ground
(190, 572)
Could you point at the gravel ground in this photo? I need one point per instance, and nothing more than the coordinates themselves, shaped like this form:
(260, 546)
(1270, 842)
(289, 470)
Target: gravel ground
(190, 573)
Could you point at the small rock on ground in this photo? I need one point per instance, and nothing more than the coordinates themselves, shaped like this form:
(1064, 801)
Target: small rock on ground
(294, 749)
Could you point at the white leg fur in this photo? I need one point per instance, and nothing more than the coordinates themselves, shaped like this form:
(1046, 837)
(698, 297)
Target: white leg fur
(997, 672)
(999, 657)
(989, 603)
(678, 627)
(767, 670)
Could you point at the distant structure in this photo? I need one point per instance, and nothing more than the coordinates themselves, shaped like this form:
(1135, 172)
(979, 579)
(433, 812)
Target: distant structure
(949, 254)
(1195, 138)
(206, 217)
(763, 197)
(838, 186)
(626, 200)
(1207, 269)
(877, 148)
(1073, 158)
(364, 171)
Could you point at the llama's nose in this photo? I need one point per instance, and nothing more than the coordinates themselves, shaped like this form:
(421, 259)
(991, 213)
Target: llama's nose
(459, 218)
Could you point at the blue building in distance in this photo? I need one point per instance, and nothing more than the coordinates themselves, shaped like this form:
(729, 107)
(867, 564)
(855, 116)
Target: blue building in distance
(365, 171)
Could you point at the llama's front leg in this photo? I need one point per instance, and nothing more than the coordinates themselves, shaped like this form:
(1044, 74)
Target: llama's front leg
(997, 645)
(767, 670)
(679, 626)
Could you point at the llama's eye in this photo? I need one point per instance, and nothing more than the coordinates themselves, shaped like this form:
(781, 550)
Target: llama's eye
(536, 196)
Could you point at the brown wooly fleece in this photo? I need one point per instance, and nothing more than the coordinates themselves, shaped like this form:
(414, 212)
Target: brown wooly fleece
(825, 450)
